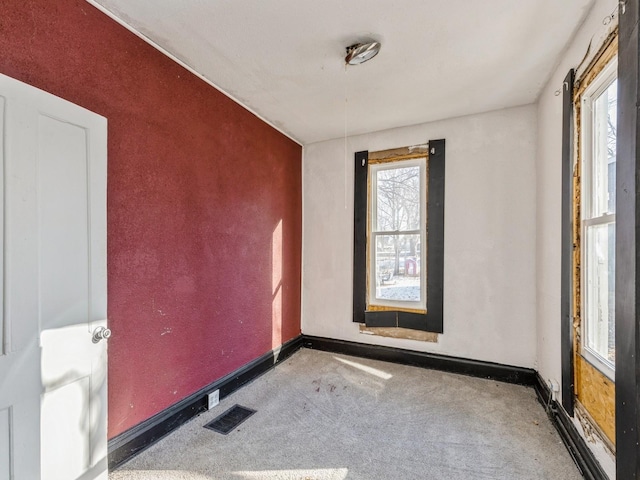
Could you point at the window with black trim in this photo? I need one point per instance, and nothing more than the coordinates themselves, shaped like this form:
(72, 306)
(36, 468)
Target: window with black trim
(399, 237)
(589, 319)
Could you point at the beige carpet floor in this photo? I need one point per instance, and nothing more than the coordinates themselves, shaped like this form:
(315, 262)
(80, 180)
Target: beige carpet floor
(323, 416)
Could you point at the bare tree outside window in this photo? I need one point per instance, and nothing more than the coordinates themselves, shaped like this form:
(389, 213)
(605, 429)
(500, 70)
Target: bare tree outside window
(398, 210)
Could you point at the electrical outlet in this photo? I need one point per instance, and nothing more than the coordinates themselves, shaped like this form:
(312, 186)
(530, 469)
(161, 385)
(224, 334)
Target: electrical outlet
(214, 399)
(554, 386)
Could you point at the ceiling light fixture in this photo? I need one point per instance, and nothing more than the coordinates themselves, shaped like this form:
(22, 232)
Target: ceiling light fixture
(361, 52)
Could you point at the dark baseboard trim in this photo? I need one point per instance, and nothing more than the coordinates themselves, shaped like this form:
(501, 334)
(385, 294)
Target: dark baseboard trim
(464, 366)
(138, 438)
(578, 449)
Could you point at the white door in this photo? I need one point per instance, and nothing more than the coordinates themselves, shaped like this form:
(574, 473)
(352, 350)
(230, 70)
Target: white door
(53, 296)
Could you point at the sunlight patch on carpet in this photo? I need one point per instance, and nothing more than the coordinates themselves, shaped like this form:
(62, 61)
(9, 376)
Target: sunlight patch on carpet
(365, 368)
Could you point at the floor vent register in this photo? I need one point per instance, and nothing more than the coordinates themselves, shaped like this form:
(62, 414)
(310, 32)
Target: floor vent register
(230, 419)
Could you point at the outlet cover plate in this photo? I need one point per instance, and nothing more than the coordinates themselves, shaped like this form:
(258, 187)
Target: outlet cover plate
(214, 399)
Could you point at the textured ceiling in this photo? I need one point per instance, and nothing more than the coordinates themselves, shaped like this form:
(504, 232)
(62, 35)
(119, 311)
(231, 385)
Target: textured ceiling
(284, 59)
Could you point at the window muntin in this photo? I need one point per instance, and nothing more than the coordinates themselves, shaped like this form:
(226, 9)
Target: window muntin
(397, 229)
(598, 130)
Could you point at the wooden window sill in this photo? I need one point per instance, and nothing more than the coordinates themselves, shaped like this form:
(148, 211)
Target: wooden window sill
(398, 332)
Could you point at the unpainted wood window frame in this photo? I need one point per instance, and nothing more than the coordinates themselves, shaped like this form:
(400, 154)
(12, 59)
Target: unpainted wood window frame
(376, 165)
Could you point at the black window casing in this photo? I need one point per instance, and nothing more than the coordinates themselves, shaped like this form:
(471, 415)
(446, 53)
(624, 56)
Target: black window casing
(431, 321)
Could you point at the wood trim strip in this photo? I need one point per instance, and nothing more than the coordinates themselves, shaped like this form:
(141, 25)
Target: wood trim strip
(381, 318)
(360, 236)
(566, 322)
(397, 158)
(627, 259)
(403, 153)
(382, 308)
(435, 236)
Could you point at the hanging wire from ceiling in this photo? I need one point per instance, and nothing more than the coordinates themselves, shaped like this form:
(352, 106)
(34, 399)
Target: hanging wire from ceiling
(346, 153)
(357, 54)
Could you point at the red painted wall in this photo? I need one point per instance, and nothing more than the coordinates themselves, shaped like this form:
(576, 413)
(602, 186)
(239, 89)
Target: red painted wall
(197, 186)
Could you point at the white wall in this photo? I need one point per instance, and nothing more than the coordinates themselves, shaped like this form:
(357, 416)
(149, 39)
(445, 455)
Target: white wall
(490, 212)
(548, 193)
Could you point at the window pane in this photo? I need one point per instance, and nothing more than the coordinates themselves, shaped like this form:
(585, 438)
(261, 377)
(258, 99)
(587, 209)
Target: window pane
(398, 199)
(604, 152)
(600, 290)
(398, 267)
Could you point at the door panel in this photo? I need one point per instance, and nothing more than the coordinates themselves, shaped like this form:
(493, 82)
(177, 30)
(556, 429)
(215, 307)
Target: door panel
(63, 243)
(52, 376)
(65, 421)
